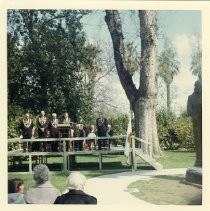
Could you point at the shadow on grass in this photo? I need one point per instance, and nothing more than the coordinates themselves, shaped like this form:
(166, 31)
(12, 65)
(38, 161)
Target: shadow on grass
(196, 200)
(25, 168)
(79, 166)
(171, 177)
(95, 166)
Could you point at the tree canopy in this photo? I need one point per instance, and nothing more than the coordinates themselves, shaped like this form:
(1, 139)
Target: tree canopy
(50, 65)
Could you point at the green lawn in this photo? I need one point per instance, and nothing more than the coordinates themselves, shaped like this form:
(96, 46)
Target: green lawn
(164, 190)
(170, 189)
(88, 165)
(177, 159)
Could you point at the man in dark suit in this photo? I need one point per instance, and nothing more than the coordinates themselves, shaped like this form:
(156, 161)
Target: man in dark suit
(102, 127)
(75, 194)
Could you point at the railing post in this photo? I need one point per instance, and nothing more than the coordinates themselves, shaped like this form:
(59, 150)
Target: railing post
(134, 165)
(64, 157)
(30, 163)
(100, 161)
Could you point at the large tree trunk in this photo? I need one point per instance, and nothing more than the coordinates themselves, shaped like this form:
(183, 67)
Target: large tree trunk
(142, 100)
(146, 106)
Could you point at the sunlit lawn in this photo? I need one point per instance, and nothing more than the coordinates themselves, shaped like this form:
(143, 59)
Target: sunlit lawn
(89, 166)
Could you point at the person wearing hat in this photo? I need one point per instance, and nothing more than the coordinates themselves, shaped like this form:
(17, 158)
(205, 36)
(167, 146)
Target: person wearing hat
(43, 192)
(75, 191)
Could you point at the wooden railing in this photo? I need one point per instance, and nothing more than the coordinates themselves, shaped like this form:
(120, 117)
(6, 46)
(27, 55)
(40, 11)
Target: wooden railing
(133, 150)
(65, 154)
(62, 152)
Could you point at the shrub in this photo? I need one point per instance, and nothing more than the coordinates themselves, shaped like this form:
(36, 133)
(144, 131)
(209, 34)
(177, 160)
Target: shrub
(184, 132)
(174, 132)
(119, 125)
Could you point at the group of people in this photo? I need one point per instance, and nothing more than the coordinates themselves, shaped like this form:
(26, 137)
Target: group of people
(43, 192)
(48, 128)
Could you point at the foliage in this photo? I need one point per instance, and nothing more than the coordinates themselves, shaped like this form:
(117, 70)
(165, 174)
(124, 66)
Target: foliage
(175, 132)
(168, 67)
(167, 62)
(50, 66)
(131, 57)
(196, 58)
(119, 125)
(14, 118)
(184, 132)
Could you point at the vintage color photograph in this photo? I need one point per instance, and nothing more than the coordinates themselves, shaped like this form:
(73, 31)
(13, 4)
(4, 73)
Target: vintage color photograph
(104, 98)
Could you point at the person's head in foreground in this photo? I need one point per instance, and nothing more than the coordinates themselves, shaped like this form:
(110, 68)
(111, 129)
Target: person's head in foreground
(14, 193)
(19, 185)
(75, 195)
(41, 173)
(76, 181)
(43, 192)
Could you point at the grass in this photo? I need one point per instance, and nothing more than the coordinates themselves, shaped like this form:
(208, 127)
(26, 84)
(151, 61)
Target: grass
(164, 190)
(88, 165)
(177, 159)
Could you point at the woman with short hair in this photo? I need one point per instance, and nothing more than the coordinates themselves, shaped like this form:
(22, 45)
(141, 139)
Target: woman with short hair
(75, 194)
(43, 192)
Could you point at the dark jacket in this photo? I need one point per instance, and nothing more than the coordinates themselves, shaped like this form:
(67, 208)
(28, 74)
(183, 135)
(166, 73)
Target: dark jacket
(102, 126)
(75, 197)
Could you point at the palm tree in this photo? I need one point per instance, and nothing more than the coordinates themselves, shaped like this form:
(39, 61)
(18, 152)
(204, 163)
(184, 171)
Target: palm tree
(196, 59)
(168, 67)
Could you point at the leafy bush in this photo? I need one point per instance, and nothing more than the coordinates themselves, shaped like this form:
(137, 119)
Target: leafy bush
(184, 132)
(119, 125)
(15, 113)
(174, 132)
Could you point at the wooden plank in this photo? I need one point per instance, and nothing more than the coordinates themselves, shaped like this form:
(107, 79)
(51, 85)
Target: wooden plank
(68, 157)
(100, 161)
(64, 157)
(134, 164)
(30, 163)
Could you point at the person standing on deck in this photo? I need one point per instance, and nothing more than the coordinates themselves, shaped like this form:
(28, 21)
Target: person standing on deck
(53, 125)
(68, 133)
(27, 131)
(102, 127)
(42, 126)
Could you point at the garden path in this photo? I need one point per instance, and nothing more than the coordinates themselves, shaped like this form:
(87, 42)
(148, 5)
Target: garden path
(112, 189)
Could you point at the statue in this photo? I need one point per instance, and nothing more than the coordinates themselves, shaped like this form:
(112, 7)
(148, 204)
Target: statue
(194, 109)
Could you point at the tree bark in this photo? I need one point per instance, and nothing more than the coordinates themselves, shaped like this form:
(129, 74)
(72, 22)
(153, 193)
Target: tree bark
(143, 99)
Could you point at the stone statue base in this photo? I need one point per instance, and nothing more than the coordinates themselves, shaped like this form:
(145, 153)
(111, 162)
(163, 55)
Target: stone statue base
(194, 175)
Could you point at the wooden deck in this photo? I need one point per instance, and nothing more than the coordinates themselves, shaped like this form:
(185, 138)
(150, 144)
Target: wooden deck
(42, 157)
(68, 155)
